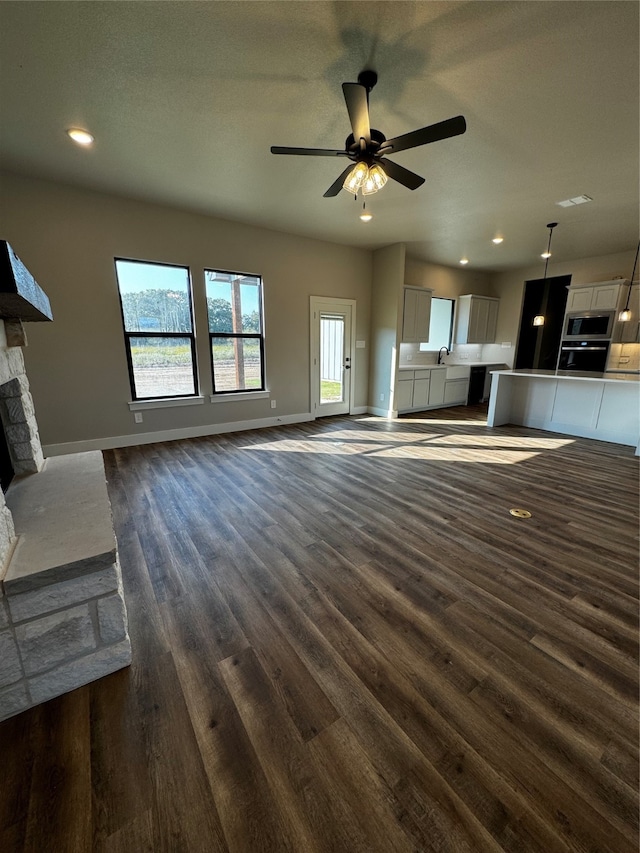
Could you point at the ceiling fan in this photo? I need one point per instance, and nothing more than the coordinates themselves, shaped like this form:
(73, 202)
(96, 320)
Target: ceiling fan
(367, 147)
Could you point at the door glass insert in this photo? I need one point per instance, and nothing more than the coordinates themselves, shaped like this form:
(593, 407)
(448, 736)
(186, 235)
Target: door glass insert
(331, 359)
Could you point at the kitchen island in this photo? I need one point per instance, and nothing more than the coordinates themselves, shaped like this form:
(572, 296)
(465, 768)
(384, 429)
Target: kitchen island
(605, 406)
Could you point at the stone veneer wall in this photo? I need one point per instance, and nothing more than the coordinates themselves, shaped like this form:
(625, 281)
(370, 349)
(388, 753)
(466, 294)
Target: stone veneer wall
(18, 417)
(60, 636)
(62, 624)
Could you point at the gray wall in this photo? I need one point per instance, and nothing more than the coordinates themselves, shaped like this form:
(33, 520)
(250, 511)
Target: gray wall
(68, 238)
(447, 282)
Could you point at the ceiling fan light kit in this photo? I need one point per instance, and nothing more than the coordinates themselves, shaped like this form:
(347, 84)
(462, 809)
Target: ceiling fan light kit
(368, 148)
(356, 178)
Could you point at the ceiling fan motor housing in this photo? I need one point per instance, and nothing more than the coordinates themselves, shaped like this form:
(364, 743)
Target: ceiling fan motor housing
(356, 152)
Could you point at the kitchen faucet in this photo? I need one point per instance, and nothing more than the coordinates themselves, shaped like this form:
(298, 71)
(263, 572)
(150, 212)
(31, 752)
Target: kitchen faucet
(446, 349)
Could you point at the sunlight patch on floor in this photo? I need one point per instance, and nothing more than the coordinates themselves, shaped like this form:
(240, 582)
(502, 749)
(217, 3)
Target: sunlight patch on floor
(377, 435)
(335, 448)
(414, 450)
(497, 441)
(455, 454)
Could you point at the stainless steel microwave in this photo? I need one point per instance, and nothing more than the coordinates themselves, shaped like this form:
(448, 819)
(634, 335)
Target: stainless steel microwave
(589, 326)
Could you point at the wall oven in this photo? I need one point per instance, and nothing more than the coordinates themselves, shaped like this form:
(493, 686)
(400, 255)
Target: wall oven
(584, 356)
(589, 326)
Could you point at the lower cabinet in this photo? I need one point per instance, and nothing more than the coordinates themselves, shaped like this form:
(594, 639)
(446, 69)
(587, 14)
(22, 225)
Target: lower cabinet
(456, 391)
(430, 388)
(421, 390)
(436, 392)
(404, 394)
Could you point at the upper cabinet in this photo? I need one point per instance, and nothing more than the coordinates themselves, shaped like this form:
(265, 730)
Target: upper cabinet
(594, 297)
(476, 319)
(416, 315)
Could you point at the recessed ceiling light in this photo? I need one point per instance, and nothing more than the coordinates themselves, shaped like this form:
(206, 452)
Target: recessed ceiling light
(82, 137)
(497, 240)
(464, 261)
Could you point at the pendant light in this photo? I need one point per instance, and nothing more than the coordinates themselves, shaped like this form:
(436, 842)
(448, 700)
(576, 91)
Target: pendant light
(538, 320)
(625, 315)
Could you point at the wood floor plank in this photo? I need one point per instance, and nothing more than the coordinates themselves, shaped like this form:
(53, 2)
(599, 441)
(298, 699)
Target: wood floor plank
(60, 794)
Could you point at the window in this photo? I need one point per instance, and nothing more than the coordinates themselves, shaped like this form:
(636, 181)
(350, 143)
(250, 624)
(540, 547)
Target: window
(158, 329)
(234, 306)
(440, 324)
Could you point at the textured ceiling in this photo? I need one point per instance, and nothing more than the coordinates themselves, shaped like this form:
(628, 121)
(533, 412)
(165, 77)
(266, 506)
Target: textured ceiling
(186, 98)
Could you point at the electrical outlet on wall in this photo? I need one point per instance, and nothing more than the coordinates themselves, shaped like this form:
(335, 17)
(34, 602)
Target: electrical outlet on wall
(273, 404)
(382, 398)
(137, 417)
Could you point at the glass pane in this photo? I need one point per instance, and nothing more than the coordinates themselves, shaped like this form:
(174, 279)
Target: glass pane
(162, 367)
(440, 324)
(233, 302)
(237, 364)
(331, 359)
(155, 298)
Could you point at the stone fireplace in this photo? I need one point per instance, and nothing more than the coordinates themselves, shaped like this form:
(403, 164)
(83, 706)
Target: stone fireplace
(63, 619)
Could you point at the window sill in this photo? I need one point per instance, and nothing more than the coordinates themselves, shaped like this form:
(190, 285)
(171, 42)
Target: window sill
(139, 405)
(239, 395)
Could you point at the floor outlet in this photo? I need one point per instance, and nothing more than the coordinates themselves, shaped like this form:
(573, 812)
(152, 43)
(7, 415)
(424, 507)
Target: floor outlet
(138, 417)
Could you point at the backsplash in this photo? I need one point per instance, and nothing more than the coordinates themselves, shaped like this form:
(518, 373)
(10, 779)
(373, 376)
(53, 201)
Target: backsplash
(624, 357)
(412, 356)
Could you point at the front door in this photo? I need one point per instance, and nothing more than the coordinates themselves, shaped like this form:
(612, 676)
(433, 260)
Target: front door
(331, 356)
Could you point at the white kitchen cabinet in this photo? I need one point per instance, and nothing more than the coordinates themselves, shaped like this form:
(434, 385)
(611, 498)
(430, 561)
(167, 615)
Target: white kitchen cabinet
(456, 391)
(436, 389)
(456, 386)
(579, 299)
(404, 394)
(476, 319)
(594, 297)
(416, 315)
(421, 385)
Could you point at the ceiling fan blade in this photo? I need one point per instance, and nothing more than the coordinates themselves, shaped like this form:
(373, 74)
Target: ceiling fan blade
(309, 152)
(355, 96)
(433, 133)
(336, 186)
(401, 175)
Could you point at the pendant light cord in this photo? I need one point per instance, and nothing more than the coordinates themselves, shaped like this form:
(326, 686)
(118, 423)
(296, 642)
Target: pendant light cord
(626, 307)
(550, 226)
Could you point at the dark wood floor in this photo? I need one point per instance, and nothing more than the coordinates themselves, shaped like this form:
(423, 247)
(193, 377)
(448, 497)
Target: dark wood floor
(344, 642)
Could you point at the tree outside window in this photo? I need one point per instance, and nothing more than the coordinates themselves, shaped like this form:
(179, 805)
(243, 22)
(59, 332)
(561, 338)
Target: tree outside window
(158, 328)
(234, 308)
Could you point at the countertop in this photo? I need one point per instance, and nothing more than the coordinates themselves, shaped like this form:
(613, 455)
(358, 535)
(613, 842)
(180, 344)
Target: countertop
(452, 364)
(570, 374)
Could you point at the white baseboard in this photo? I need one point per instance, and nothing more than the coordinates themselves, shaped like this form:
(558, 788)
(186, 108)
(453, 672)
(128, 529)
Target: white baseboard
(359, 410)
(110, 442)
(381, 413)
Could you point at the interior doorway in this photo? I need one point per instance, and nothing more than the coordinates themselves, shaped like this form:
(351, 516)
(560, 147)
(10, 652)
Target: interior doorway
(538, 346)
(332, 356)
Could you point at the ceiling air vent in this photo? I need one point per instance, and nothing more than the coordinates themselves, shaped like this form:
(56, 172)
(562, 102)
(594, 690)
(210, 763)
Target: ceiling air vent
(579, 199)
